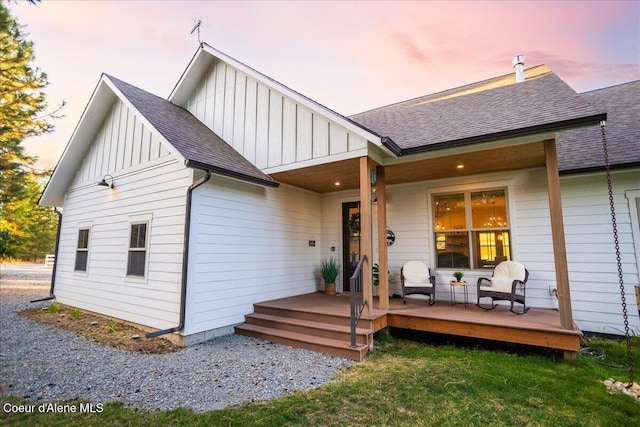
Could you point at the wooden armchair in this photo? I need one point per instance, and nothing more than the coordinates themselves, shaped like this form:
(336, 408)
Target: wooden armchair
(508, 283)
(416, 278)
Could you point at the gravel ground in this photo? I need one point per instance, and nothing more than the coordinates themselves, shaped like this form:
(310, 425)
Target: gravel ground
(45, 364)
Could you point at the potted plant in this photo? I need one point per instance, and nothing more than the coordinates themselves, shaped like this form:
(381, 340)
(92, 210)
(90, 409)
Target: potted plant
(458, 275)
(329, 270)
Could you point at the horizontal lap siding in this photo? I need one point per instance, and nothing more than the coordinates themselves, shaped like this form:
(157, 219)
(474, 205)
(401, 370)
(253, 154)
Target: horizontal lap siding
(248, 244)
(590, 252)
(593, 273)
(149, 181)
(265, 126)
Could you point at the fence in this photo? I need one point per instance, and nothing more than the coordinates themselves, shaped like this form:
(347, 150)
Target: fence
(49, 260)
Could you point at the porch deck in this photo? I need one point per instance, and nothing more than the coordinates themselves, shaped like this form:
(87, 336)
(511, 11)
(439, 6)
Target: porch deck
(538, 327)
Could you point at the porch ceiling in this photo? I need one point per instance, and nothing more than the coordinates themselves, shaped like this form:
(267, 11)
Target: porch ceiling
(323, 178)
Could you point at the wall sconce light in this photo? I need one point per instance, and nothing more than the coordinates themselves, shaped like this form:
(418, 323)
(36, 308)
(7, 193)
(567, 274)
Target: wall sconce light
(104, 182)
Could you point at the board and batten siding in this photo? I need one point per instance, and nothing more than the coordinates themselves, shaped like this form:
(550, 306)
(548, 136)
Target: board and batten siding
(592, 267)
(150, 186)
(268, 128)
(248, 244)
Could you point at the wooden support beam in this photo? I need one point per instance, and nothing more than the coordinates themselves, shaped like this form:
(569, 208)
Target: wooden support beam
(557, 234)
(366, 232)
(383, 259)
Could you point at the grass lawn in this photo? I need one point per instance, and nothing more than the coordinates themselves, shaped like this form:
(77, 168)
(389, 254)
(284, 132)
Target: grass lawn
(407, 383)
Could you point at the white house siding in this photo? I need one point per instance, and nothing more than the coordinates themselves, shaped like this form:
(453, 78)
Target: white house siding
(248, 244)
(268, 128)
(591, 259)
(593, 272)
(150, 185)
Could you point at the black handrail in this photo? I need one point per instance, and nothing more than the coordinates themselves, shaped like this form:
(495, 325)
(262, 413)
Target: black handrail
(357, 298)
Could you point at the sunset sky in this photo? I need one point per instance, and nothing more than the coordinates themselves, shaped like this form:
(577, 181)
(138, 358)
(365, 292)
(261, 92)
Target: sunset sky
(348, 56)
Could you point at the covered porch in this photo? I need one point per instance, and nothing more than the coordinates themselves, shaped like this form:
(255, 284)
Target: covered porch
(321, 322)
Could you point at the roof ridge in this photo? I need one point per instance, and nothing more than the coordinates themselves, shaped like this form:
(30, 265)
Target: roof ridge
(451, 90)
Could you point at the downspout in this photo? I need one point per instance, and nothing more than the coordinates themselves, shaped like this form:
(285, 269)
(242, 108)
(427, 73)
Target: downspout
(185, 259)
(55, 261)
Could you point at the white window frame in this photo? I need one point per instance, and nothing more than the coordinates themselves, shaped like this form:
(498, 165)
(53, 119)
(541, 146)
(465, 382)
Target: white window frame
(87, 250)
(138, 249)
(467, 190)
(633, 198)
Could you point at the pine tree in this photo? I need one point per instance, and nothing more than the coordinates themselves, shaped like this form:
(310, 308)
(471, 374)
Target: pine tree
(22, 114)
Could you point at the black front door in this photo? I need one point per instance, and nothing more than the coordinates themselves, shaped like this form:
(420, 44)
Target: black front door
(350, 241)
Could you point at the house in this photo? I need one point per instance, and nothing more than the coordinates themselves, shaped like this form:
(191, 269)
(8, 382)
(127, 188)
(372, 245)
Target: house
(232, 190)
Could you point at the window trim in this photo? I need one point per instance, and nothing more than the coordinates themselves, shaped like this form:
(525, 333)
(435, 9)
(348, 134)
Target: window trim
(144, 249)
(467, 190)
(87, 250)
(633, 199)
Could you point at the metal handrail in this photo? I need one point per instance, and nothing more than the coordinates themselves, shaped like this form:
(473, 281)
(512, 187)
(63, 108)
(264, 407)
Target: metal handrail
(357, 298)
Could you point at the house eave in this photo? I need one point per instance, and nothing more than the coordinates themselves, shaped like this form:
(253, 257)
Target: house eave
(510, 134)
(231, 174)
(600, 168)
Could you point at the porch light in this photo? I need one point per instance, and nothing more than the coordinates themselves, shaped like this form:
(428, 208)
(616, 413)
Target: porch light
(460, 167)
(337, 183)
(104, 182)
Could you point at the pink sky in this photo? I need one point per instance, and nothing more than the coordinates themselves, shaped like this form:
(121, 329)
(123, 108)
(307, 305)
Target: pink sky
(349, 56)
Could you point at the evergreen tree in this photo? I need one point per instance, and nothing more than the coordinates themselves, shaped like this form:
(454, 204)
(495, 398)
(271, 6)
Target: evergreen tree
(22, 114)
(27, 229)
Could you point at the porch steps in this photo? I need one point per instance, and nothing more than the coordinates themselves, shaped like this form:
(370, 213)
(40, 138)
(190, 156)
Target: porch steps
(313, 331)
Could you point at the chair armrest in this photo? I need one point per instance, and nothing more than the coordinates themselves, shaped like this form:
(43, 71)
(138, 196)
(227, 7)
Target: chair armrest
(515, 284)
(432, 279)
(485, 279)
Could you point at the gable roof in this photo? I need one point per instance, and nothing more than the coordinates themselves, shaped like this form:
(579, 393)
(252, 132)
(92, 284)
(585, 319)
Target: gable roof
(580, 150)
(193, 142)
(207, 54)
(199, 145)
(489, 110)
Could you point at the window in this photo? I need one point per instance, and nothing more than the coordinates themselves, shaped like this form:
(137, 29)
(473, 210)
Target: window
(82, 250)
(471, 229)
(137, 250)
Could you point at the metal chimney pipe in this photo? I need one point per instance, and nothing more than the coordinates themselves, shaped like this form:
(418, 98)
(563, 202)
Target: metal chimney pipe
(518, 64)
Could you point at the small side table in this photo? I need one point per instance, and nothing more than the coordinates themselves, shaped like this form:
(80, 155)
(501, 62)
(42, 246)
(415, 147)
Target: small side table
(454, 285)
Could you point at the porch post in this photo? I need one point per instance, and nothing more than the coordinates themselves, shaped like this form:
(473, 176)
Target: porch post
(365, 232)
(557, 234)
(383, 261)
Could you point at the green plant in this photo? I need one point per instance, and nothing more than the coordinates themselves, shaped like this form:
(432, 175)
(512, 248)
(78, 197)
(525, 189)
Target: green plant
(54, 307)
(458, 275)
(75, 313)
(354, 224)
(329, 269)
(112, 326)
(376, 274)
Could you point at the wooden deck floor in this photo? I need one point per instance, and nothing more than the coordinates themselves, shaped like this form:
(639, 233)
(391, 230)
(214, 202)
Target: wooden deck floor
(538, 327)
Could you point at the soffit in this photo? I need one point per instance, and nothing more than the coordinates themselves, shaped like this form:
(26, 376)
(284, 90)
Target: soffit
(322, 178)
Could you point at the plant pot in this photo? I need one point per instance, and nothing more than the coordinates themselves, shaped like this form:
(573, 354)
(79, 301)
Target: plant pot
(330, 288)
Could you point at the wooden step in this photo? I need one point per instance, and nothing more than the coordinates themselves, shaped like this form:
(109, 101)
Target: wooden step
(320, 317)
(309, 327)
(334, 347)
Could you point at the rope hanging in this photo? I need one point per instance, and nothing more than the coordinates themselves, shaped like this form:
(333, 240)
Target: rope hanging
(619, 261)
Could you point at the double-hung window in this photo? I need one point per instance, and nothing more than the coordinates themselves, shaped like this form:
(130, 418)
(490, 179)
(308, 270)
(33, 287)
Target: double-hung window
(136, 260)
(82, 250)
(471, 229)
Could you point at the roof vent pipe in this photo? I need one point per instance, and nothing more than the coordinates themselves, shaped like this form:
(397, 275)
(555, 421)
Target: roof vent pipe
(518, 64)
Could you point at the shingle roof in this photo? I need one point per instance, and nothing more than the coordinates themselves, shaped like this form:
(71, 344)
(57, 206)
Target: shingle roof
(484, 111)
(198, 144)
(581, 149)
